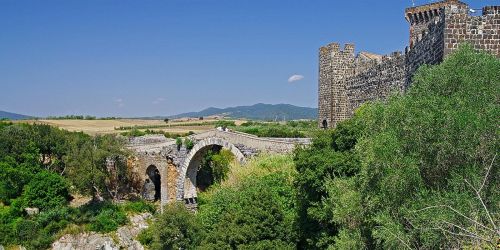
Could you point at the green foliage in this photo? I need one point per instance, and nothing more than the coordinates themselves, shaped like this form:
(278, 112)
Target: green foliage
(46, 190)
(214, 168)
(86, 163)
(12, 181)
(257, 210)
(421, 147)
(139, 206)
(146, 237)
(224, 123)
(37, 164)
(175, 228)
(108, 220)
(221, 163)
(170, 124)
(178, 142)
(135, 133)
(188, 143)
(253, 209)
(271, 130)
(425, 164)
(330, 156)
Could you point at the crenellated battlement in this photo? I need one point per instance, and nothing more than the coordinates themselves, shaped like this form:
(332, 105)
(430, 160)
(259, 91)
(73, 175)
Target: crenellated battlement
(347, 80)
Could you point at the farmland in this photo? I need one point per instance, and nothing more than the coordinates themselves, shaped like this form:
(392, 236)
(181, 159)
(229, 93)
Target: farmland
(95, 127)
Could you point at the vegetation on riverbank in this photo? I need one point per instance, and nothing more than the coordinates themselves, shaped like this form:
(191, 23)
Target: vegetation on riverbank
(40, 166)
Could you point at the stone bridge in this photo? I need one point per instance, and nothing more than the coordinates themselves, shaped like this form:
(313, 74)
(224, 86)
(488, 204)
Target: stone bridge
(163, 171)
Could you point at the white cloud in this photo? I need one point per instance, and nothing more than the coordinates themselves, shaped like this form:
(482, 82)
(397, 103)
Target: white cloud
(119, 102)
(158, 100)
(295, 78)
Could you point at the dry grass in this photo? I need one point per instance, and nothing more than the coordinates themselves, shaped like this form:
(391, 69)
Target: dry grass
(257, 166)
(94, 127)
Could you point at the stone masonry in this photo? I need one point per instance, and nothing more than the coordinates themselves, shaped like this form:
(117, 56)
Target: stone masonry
(177, 167)
(347, 80)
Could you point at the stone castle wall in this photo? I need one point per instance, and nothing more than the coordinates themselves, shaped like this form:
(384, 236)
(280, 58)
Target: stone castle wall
(378, 81)
(427, 48)
(482, 32)
(346, 80)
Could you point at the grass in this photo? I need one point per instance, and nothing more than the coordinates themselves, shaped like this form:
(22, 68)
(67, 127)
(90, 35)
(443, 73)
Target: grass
(290, 129)
(256, 167)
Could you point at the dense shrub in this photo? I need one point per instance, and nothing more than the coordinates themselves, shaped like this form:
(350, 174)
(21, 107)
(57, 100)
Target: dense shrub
(12, 180)
(46, 190)
(138, 207)
(188, 143)
(175, 228)
(224, 123)
(108, 220)
(431, 147)
(415, 171)
(331, 155)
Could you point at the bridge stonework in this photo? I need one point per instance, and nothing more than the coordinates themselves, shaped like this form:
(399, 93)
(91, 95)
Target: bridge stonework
(178, 167)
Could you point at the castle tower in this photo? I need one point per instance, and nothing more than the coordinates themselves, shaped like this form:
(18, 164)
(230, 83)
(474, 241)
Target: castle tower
(420, 17)
(437, 29)
(335, 65)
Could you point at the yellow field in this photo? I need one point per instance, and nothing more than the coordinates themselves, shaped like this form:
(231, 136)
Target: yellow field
(94, 127)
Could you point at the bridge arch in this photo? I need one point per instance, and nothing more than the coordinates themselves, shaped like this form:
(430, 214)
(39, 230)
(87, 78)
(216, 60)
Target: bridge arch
(152, 185)
(186, 184)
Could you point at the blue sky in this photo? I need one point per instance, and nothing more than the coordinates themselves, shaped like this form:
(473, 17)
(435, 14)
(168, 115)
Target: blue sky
(162, 57)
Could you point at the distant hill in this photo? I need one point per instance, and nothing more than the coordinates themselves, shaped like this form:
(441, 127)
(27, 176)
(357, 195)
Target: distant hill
(258, 111)
(13, 116)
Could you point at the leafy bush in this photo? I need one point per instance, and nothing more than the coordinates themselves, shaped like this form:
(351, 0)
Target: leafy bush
(178, 142)
(175, 228)
(108, 220)
(421, 148)
(422, 175)
(12, 181)
(224, 123)
(260, 209)
(135, 133)
(220, 164)
(188, 143)
(138, 207)
(46, 190)
(146, 237)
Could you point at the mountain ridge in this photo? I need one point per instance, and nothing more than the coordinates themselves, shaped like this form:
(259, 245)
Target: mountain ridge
(259, 111)
(13, 116)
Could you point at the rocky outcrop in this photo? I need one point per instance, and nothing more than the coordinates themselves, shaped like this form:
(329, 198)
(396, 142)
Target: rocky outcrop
(123, 238)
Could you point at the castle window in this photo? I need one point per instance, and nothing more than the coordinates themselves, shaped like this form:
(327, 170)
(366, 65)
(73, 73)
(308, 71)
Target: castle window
(324, 124)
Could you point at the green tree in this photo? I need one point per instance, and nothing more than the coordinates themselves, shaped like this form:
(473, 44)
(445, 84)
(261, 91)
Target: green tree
(46, 190)
(220, 164)
(86, 163)
(175, 228)
(427, 162)
(256, 214)
(330, 156)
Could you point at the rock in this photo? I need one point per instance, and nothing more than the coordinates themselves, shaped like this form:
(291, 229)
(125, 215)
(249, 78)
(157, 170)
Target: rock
(91, 241)
(32, 210)
(85, 241)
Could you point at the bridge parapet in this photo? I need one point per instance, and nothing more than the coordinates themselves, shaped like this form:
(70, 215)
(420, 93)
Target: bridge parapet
(264, 144)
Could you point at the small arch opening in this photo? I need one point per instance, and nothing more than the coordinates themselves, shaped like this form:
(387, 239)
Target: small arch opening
(324, 124)
(152, 185)
(208, 166)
